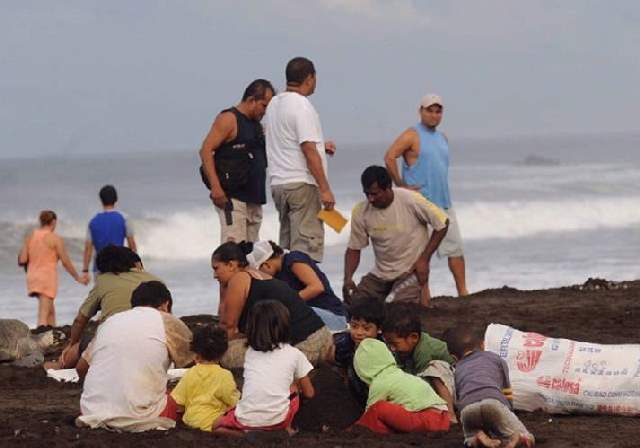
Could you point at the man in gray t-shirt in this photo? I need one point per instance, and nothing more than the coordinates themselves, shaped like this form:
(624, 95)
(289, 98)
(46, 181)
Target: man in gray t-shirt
(397, 222)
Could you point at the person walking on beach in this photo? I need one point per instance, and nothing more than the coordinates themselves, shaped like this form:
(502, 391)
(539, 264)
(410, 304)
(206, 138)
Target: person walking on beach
(236, 173)
(425, 168)
(40, 254)
(297, 164)
(105, 228)
(396, 221)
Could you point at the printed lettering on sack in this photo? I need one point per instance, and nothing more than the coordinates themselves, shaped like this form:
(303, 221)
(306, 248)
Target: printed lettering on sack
(559, 384)
(528, 360)
(569, 358)
(600, 369)
(504, 343)
(616, 409)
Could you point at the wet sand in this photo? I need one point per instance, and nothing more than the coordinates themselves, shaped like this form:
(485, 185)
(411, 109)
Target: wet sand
(37, 411)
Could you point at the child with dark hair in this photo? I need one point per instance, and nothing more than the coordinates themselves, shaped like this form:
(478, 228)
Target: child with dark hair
(365, 321)
(275, 373)
(397, 401)
(303, 275)
(417, 352)
(482, 387)
(207, 390)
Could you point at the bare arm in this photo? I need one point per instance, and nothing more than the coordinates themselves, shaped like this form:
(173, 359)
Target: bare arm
(306, 387)
(131, 242)
(398, 149)
(82, 368)
(79, 324)
(235, 298)
(314, 163)
(221, 131)
(66, 261)
(422, 265)
(351, 263)
(313, 284)
(23, 255)
(86, 257)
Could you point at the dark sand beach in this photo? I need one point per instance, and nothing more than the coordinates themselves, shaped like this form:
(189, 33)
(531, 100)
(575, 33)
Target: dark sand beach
(37, 411)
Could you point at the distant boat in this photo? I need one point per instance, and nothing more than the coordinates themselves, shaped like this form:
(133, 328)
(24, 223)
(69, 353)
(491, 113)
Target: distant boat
(534, 160)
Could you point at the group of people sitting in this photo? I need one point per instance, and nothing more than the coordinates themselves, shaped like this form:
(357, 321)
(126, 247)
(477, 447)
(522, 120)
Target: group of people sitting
(274, 316)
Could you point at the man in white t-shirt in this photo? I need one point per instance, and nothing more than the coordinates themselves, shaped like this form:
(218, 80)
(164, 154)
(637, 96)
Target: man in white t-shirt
(126, 365)
(297, 163)
(397, 222)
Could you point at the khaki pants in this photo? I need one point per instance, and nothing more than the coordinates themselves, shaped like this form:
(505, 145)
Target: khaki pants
(246, 221)
(298, 205)
(316, 348)
(492, 417)
(372, 287)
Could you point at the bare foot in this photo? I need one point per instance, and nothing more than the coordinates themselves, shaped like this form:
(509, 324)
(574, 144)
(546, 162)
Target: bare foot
(518, 439)
(485, 441)
(291, 431)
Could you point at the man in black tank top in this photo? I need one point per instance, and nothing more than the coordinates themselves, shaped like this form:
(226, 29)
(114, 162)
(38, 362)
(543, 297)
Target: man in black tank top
(234, 164)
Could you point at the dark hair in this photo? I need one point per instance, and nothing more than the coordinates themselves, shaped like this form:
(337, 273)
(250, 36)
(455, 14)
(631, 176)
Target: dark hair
(298, 69)
(232, 251)
(267, 325)
(277, 250)
(108, 195)
(153, 294)
(134, 258)
(368, 310)
(116, 259)
(47, 217)
(402, 319)
(375, 174)
(461, 339)
(210, 342)
(258, 90)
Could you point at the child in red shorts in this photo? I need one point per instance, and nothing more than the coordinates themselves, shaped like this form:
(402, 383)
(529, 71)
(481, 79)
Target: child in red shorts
(397, 401)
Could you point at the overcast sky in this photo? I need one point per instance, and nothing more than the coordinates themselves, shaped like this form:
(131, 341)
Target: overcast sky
(99, 76)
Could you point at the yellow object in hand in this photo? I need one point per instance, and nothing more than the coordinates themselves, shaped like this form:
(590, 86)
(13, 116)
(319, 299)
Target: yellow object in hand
(333, 218)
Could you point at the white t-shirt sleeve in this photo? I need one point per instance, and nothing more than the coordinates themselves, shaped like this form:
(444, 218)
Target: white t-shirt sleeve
(305, 122)
(303, 366)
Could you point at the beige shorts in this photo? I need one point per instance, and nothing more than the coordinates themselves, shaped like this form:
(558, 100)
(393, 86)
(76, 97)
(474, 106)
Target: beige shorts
(298, 205)
(451, 245)
(246, 220)
(316, 348)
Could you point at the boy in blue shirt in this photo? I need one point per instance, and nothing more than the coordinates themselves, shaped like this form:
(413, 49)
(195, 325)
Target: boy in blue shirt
(108, 227)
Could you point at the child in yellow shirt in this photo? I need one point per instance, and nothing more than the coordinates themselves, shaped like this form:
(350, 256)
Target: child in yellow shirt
(207, 390)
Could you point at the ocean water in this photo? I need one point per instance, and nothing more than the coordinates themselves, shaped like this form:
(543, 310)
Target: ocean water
(534, 212)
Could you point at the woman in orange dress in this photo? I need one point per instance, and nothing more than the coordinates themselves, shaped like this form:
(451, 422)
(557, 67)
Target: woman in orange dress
(40, 254)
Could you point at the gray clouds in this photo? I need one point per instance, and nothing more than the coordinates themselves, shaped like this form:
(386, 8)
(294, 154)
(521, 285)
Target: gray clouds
(88, 77)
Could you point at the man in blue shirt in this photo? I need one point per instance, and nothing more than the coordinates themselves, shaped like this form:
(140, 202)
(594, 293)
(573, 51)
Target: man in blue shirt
(107, 227)
(425, 168)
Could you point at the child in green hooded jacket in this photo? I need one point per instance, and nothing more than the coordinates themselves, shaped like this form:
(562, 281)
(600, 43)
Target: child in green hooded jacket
(397, 401)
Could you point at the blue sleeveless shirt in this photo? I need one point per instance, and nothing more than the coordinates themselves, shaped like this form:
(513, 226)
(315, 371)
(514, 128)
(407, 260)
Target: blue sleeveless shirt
(431, 170)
